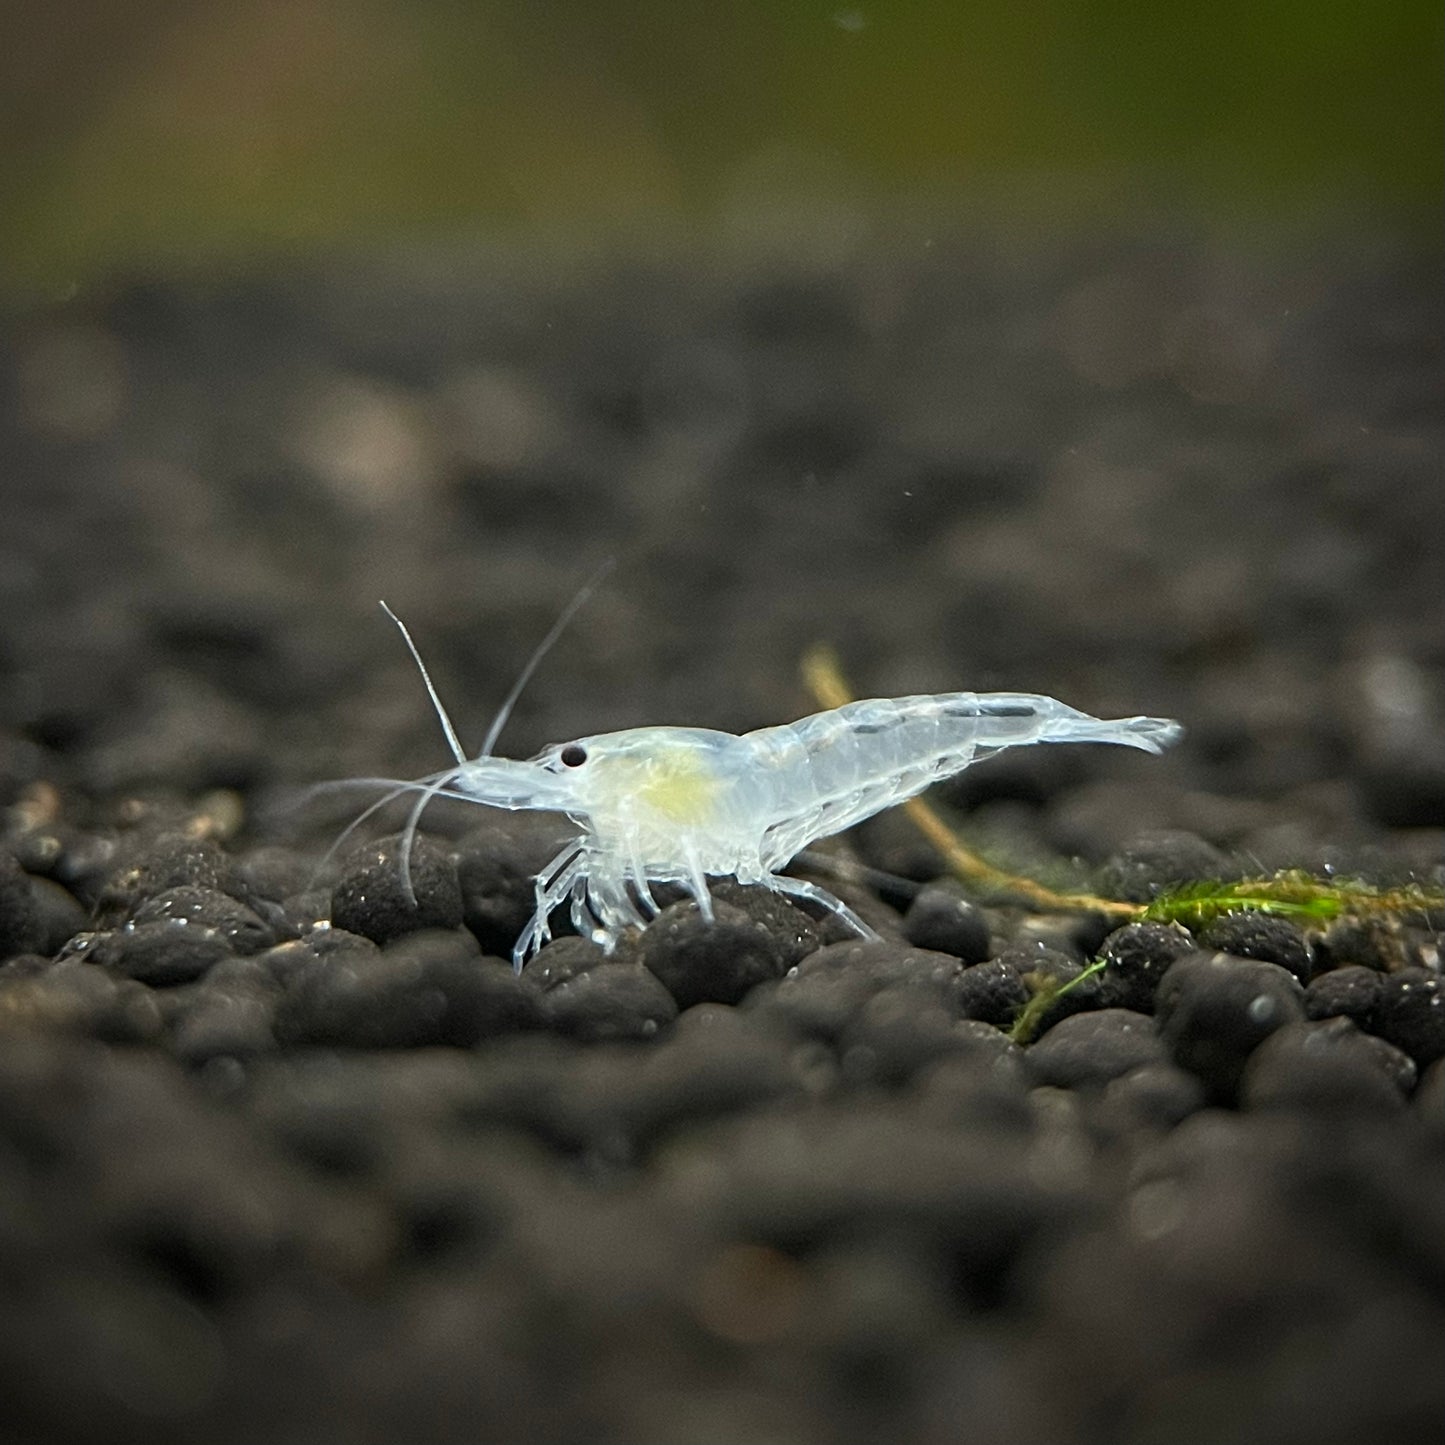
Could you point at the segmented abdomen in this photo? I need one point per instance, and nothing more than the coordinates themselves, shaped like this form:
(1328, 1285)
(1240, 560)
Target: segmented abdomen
(836, 768)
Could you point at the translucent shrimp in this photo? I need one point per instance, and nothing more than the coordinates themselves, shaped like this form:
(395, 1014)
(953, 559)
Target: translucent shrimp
(677, 805)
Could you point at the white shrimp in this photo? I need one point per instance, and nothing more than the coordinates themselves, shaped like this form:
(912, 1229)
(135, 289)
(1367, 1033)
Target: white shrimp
(678, 805)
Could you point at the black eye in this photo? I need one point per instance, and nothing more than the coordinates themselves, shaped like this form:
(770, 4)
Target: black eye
(573, 756)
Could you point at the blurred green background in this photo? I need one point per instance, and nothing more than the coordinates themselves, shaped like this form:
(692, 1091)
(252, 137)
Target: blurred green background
(156, 131)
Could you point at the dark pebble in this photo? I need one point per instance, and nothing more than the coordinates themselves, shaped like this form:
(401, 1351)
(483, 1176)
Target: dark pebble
(1410, 1014)
(325, 1111)
(241, 927)
(824, 993)
(426, 988)
(1158, 861)
(83, 865)
(251, 971)
(563, 959)
(1155, 1097)
(1091, 1049)
(609, 1103)
(298, 956)
(44, 851)
(72, 998)
(793, 931)
(57, 917)
(1327, 1067)
(275, 872)
(1374, 943)
(1136, 957)
(371, 899)
(992, 992)
(714, 1061)
(940, 920)
(1076, 934)
(609, 1001)
(224, 1021)
(162, 954)
(19, 927)
(25, 965)
(497, 873)
(901, 1030)
(1214, 1010)
(702, 962)
(1042, 969)
(303, 912)
(171, 860)
(987, 1086)
(1396, 1064)
(1253, 934)
(1352, 992)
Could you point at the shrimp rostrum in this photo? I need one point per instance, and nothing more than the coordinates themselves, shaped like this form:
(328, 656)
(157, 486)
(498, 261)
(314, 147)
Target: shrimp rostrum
(677, 805)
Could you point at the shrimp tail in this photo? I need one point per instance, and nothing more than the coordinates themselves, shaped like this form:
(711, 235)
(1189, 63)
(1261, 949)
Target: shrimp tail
(1152, 734)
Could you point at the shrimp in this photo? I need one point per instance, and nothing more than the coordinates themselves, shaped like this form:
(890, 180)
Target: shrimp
(678, 805)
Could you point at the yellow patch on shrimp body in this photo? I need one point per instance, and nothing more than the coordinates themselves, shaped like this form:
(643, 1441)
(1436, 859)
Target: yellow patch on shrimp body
(672, 783)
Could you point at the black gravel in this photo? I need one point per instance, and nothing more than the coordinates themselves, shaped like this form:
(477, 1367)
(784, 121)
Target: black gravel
(610, 1001)
(1262, 936)
(1136, 958)
(289, 1151)
(1095, 1048)
(381, 900)
(1215, 1010)
(939, 919)
(710, 962)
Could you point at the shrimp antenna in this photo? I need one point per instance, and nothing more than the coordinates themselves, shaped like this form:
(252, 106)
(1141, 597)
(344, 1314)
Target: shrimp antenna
(558, 627)
(452, 740)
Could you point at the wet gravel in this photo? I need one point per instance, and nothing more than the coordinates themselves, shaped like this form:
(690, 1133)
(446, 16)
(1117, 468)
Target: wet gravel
(288, 1151)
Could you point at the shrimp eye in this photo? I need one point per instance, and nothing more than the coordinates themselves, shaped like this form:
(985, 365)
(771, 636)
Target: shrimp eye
(573, 756)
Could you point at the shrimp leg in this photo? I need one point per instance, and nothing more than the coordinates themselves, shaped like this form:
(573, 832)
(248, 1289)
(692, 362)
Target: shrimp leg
(696, 882)
(588, 918)
(609, 899)
(637, 877)
(554, 882)
(801, 888)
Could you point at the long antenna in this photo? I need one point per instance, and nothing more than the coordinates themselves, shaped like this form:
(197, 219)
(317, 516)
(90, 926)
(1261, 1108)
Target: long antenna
(452, 740)
(568, 613)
